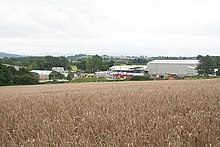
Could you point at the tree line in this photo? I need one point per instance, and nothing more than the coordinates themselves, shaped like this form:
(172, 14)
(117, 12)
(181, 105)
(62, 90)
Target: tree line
(93, 64)
(89, 64)
(10, 76)
(41, 63)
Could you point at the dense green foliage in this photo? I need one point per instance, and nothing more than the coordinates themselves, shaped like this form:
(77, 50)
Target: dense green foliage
(70, 76)
(218, 72)
(141, 78)
(95, 63)
(56, 75)
(95, 79)
(10, 76)
(81, 65)
(43, 63)
(107, 64)
(90, 79)
(207, 64)
(26, 79)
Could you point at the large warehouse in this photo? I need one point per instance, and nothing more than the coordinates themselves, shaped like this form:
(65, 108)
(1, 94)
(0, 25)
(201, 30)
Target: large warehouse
(178, 67)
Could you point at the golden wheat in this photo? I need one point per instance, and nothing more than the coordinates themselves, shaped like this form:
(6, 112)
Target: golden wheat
(156, 113)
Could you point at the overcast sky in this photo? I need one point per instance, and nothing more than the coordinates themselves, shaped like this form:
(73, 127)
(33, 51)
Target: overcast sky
(113, 27)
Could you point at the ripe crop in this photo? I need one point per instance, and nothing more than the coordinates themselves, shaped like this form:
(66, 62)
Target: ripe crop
(155, 113)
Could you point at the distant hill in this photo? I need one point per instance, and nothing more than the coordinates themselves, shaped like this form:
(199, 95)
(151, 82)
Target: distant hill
(2, 55)
(75, 57)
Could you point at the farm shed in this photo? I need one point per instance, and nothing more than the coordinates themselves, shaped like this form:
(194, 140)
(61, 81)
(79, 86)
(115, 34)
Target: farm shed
(179, 67)
(43, 74)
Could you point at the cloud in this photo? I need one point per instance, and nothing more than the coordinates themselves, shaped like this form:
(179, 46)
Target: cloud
(171, 27)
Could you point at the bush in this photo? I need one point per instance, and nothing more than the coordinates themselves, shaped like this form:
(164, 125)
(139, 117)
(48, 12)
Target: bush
(54, 82)
(141, 78)
(56, 75)
(92, 79)
(218, 72)
(25, 79)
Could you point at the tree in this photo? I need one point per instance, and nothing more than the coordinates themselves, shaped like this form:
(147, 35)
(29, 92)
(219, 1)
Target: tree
(10, 76)
(94, 63)
(81, 65)
(108, 64)
(2, 78)
(89, 64)
(69, 76)
(65, 63)
(206, 65)
(22, 71)
(25, 79)
(11, 61)
(218, 72)
(6, 75)
(56, 75)
(97, 63)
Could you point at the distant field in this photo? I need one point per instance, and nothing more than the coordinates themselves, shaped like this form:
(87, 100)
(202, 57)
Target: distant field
(155, 113)
(74, 68)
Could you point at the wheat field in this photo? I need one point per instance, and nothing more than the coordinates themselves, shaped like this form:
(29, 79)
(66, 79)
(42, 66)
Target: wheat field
(153, 114)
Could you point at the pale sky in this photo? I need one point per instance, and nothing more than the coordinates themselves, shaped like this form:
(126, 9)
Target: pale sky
(112, 27)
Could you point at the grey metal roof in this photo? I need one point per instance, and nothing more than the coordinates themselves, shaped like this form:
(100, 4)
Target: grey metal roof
(42, 72)
(175, 61)
(131, 67)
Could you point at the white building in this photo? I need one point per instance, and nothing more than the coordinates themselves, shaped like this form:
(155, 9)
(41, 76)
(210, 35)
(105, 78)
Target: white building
(43, 74)
(104, 74)
(178, 67)
(58, 69)
(128, 71)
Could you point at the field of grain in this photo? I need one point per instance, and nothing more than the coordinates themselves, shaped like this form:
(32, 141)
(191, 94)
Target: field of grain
(155, 113)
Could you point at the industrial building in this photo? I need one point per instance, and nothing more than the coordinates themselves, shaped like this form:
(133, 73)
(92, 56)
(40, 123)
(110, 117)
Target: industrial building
(43, 74)
(127, 71)
(179, 67)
